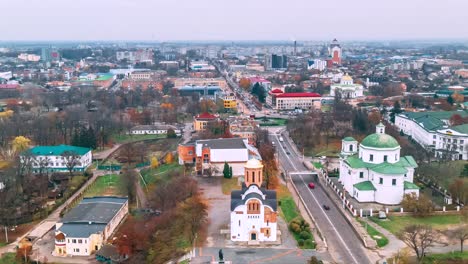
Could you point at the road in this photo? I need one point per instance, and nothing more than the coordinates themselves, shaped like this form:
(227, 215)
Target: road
(343, 243)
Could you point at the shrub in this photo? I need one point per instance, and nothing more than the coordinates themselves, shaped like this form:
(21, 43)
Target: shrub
(305, 235)
(309, 243)
(300, 242)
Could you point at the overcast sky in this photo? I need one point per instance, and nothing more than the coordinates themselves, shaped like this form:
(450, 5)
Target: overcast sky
(165, 20)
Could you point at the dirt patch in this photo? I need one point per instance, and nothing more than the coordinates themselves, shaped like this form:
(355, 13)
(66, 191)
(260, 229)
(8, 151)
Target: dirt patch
(13, 234)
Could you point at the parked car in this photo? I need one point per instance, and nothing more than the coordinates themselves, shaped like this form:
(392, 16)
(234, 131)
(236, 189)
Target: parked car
(326, 207)
(311, 185)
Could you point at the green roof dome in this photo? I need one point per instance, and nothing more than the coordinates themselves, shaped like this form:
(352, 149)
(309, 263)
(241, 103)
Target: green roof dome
(378, 140)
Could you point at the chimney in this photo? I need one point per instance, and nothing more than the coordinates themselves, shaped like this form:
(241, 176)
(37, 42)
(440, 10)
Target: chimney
(295, 44)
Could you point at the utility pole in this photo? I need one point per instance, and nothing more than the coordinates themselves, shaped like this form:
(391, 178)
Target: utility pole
(6, 234)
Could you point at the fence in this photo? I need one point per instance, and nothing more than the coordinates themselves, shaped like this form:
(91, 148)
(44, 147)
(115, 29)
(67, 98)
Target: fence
(110, 167)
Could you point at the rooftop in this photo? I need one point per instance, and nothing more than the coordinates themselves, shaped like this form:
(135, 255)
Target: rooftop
(349, 139)
(287, 95)
(58, 150)
(399, 167)
(378, 140)
(223, 143)
(205, 115)
(409, 185)
(100, 209)
(365, 186)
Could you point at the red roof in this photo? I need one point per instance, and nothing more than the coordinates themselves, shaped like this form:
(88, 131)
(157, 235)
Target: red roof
(298, 95)
(206, 116)
(9, 86)
(277, 91)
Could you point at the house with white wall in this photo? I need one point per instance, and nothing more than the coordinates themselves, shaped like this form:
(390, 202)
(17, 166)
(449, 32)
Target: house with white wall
(57, 158)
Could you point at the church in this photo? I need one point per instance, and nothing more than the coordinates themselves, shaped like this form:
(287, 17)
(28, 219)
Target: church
(375, 171)
(253, 209)
(347, 88)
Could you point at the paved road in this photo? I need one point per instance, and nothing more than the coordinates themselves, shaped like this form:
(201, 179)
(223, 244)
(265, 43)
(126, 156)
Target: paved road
(342, 242)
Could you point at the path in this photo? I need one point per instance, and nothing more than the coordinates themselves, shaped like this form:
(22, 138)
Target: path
(102, 155)
(394, 244)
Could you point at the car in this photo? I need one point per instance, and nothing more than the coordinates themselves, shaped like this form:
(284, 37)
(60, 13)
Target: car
(311, 185)
(326, 207)
(287, 152)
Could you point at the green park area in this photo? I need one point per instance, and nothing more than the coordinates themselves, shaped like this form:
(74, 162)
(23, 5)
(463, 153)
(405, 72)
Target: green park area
(228, 185)
(374, 234)
(396, 224)
(452, 257)
(107, 185)
(9, 258)
(126, 138)
(161, 173)
(269, 121)
(297, 225)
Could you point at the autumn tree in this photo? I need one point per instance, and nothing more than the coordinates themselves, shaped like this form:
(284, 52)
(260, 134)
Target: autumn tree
(208, 106)
(456, 120)
(421, 205)
(129, 179)
(169, 158)
(154, 162)
(418, 238)
(374, 117)
(461, 234)
(458, 98)
(20, 144)
(459, 190)
(244, 83)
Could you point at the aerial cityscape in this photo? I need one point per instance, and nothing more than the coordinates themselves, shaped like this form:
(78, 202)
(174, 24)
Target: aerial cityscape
(242, 132)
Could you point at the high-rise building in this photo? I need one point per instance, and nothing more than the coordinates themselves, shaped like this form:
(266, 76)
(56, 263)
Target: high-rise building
(276, 62)
(334, 50)
(49, 54)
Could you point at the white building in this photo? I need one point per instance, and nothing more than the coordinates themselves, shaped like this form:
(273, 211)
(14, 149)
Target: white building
(317, 64)
(253, 209)
(374, 171)
(57, 158)
(29, 57)
(153, 130)
(291, 101)
(432, 130)
(85, 229)
(347, 88)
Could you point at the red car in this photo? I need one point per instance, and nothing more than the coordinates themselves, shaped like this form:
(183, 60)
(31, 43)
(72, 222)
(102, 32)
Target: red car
(312, 185)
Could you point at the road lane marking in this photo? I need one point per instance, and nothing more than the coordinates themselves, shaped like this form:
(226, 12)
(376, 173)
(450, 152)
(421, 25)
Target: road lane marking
(316, 201)
(328, 219)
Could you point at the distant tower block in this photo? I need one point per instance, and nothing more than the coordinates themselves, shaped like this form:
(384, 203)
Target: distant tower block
(334, 50)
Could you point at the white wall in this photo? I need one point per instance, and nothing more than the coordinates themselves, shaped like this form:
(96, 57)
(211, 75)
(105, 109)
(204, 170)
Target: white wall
(363, 196)
(387, 193)
(247, 221)
(393, 155)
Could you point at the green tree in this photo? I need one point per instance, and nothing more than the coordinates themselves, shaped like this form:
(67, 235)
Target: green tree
(450, 100)
(230, 171)
(396, 110)
(226, 170)
(464, 173)
(171, 133)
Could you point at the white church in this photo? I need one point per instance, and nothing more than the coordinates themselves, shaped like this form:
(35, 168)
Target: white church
(253, 209)
(375, 171)
(347, 88)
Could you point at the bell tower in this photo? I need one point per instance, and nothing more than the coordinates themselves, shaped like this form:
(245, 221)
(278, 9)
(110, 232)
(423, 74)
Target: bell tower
(253, 172)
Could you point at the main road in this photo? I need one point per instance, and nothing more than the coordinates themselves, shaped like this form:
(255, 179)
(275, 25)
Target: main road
(343, 243)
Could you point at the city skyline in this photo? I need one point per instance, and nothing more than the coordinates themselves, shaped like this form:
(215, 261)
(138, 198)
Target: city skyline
(210, 20)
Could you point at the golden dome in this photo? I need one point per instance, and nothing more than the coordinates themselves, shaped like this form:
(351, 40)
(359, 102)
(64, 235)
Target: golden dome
(346, 78)
(254, 164)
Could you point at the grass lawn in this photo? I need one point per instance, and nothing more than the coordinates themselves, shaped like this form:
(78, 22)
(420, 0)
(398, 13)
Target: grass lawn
(106, 185)
(75, 183)
(395, 224)
(289, 209)
(2, 244)
(444, 172)
(161, 173)
(456, 257)
(317, 165)
(374, 234)
(8, 258)
(125, 138)
(227, 185)
(271, 121)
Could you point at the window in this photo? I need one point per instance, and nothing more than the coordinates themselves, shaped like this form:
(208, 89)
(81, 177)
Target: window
(434, 136)
(190, 152)
(73, 240)
(380, 180)
(80, 241)
(405, 174)
(361, 174)
(239, 222)
(393, 181)
(371, 157)
(350, 148)
(385, 158)
(462, 141)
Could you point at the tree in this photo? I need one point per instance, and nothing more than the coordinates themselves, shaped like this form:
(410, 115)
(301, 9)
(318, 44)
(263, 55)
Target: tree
(230, 171)
(461, 233)
(171, 133)
(418, 238)
(375, 117)
(244, 83)
(458, 98)
(129, 177)
(464, 173)
(20, 144)
(169, 158)
(226, 170)
(154, 162)
(72, 159)
(395, 111)
(450, 100)
(421, 205)
(459, 190)
(456, 120)
(314, 260)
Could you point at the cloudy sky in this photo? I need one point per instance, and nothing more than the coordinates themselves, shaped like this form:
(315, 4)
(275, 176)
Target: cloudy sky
(164, 20)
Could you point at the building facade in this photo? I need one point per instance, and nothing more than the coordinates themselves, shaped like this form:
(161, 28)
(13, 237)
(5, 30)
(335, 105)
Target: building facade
(291, 101)
(85, 228)
(335, 52)
(201, 121)
(347, 88)
(211, 154)
(432, 130)
(153, 130)
(253, 209)
(375, 171)
(57, 158)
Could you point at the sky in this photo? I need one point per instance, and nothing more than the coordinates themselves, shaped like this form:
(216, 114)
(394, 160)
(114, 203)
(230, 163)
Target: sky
(172, 20)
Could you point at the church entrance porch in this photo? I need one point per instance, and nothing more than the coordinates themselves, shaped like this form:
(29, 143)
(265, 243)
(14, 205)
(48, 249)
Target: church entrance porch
(253, 236)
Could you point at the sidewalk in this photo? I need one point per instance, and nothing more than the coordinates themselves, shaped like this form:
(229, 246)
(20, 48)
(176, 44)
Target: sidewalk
(394, 244)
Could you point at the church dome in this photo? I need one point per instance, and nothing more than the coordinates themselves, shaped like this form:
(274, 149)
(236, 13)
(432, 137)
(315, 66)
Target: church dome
(346, 78)
(380, 140)
(253, 164)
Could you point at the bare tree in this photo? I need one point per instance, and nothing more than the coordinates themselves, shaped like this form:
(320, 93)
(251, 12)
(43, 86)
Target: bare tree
(418, 238)
(461, 233)
(72, 159)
